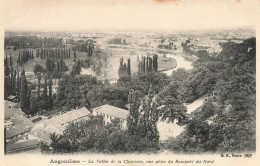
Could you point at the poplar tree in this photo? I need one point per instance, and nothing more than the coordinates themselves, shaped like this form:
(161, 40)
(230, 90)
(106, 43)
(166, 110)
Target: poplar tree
(18, 60)
(24, 94)
(18, 86)
(143, 67)
(38, 70)
(129, 67)
(74, 56)
(132, 119)
(121, 67)
(49, 65)
(45, 94)
(155, 63)
(34, 104)
(147, 127)
(14, 83)
(124, 69)
(150, 64)
(146, 65)
(50, 103)
(11, 61)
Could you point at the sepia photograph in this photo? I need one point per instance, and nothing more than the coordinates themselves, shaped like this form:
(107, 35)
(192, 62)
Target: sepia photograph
(172, 79)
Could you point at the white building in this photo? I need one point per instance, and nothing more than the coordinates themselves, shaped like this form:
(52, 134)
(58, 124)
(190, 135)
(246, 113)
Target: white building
(110, 112)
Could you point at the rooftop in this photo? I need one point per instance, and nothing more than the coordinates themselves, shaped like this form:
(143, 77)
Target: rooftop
(42, 134)
(68, 116)
(21, 145)
(20, 125)
(9, 104)
(11, 110)
(21, 120)
(112, 111)
(11, 97)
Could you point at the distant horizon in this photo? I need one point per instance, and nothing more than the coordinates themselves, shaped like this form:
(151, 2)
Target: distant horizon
(252, 28)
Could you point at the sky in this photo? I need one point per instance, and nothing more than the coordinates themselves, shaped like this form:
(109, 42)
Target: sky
(80, 15)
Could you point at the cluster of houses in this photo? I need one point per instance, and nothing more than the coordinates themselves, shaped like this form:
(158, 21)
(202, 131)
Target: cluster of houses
(17, 128)
(23, 133)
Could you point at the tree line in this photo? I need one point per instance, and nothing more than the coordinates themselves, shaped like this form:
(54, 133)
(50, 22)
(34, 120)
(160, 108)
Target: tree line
(23, 42)
(11, 79)
(124, 69)
(24, 57)
(84, 46)
(147, 64)
(54, 53)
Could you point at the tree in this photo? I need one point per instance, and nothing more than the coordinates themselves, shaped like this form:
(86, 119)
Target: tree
(24, 94)
(74, 57)
(155, 62)
(50, 102)
(171, 99)
(132, 119)
(11, 62)
(7, 69)
(18, 86)
(226, 123)
(6, 86)
(93, 136)
(147, 127)
(129, 67)
(14, 84)
(146, 64)
(44, 94)
(38, 71)
(143, 66)
(124, 69)
(180, 74)
(49, 66)
(34, 104)
(121, 68)
(76, 68)
(150, 63)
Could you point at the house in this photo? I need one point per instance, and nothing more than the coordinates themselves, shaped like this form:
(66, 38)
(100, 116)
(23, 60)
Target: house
(58, 123)
(110, 112)
(10, 110)
(69, 117)
(17, 128)
(12, 98)
(42, 134)
(27, 144)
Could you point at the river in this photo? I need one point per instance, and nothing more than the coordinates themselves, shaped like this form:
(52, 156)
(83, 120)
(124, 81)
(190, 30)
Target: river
(181, 63)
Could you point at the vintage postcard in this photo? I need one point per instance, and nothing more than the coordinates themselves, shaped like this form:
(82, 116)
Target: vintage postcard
(153, 82)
